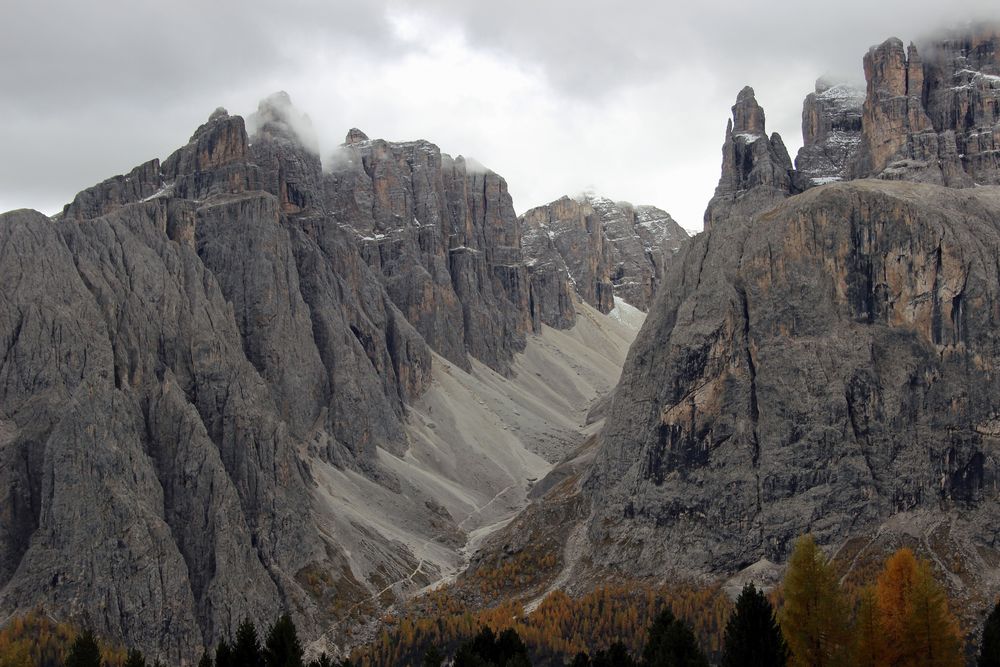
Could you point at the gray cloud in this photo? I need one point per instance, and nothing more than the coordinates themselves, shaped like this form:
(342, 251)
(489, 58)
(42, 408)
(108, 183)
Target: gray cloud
(629, 98)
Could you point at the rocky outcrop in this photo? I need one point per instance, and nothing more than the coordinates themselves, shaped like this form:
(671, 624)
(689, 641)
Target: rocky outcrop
(193, 350)
(831, 134)
(642, 238)
(756, 169)
(443, 234)
(899, 140)
(577, 234)
(962, 97)
(549, 278)
(933, 119)
(627, 246)
(823, 366)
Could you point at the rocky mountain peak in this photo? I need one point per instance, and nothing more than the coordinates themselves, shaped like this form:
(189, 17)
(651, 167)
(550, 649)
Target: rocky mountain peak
(756, 170)
(933, 117)
(748, 115)
(355, 136)
(611, 250)
(831, 132)
(276, 117)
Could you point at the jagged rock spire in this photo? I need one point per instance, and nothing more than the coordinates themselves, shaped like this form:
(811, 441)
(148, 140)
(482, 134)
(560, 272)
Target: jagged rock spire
(748, 115)
(355, 136)
(751, 162)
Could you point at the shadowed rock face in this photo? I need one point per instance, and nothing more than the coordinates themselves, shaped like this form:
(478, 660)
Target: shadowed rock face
(610, 249)
(185, 340)
(831, 134)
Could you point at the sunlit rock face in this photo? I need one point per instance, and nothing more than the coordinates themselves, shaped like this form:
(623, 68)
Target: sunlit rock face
(932, 115)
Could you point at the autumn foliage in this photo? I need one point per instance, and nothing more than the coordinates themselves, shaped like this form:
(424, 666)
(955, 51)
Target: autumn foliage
(901, 619)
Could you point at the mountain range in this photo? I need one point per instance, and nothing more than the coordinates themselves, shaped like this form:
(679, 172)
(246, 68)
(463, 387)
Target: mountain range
(247, 380)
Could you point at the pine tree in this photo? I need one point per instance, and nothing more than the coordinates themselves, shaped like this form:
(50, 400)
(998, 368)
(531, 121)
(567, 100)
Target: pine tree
(206, 660)
(135, 659)
(616, 656)
(246, 649)
(989, 652)
(869, 636)
(671, 643)
(510, 650)
(752, 637)
(85, 652)
(224, 654)
(814, 618)
(486, 648)
(282, 648)
(433, 657)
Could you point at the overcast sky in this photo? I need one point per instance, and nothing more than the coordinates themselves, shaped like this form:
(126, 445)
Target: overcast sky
(628, 98)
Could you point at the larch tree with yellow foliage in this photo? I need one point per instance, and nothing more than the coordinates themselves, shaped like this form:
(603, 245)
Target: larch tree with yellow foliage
(815, 615)
(869, 635)
(918, 630)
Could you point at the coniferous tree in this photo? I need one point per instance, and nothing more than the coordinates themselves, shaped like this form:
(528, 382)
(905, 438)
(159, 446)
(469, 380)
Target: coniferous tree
(616, 656)
(510, 650)
(224, 654)
(931, 630)
(671, 644)
(487, 649)
(282, 648)
(917, 627)
(467, 656)
(989, 651)
(814, 618)
(581, 659)
(246, 648)
(84, 652)
(322, 661)
(206, 660)
(484, 645)
(753, 637)
(869, 636)
(892, 591)
(433, 657)
(135, 659)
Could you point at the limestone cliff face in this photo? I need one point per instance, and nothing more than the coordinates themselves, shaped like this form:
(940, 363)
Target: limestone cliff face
(824, 361)
(756, 169)
(831, 134)
(187, 342)
(575, 230)
(610, 249)
(822, 366)
(443, 234)
(934, 118)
